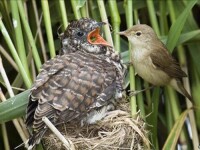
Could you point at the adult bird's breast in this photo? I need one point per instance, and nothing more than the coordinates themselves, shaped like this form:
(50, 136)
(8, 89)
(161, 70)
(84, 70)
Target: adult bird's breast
(145, 69)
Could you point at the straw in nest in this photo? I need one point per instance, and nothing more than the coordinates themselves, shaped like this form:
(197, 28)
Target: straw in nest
(117, 131)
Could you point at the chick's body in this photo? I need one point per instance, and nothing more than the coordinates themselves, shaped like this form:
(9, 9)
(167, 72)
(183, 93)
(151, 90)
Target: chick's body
(69, 86)
(79, 85)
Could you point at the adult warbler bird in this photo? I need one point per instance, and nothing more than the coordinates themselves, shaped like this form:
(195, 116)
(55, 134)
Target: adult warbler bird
(151, 59)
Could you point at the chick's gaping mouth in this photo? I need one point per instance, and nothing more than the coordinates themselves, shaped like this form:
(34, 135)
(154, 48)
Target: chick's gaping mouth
(95, 38)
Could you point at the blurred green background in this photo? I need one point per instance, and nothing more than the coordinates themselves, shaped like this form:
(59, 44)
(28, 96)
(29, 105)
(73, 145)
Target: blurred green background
(29, 37)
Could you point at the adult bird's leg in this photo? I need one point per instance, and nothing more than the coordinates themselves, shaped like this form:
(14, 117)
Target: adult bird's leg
(133, 93)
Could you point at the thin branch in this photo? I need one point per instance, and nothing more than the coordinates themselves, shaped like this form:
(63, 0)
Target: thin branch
(9, 58)
(66, 142)
(11, 93)
(39, 31)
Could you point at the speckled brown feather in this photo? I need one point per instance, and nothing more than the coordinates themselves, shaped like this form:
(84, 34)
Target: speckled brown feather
(81, 84)
(69, 83)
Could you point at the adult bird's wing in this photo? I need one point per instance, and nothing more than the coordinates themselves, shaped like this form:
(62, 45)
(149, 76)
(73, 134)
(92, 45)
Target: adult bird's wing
(162, 60)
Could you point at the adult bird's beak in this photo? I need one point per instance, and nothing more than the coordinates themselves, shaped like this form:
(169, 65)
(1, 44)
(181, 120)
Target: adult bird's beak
(124, 33)
(95, 38)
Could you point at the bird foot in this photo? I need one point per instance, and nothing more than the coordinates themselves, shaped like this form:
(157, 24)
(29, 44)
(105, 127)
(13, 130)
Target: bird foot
(133, 93)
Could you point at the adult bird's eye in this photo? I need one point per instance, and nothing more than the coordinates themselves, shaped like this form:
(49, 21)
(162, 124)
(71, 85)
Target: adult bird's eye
(80, 34)
(138, 33)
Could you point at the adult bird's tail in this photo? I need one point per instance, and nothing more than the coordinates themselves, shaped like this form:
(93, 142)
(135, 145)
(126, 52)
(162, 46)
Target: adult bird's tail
(178, 86)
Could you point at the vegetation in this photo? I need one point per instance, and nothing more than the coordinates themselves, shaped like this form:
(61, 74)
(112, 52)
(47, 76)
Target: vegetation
(29, 38)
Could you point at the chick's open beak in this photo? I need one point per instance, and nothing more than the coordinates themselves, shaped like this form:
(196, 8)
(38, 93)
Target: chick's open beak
(95, 38)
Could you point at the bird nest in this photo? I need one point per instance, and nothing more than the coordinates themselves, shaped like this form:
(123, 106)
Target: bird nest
(117, 131)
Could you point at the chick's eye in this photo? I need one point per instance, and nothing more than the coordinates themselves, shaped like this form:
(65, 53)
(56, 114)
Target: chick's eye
(80, 34)
(138, 33)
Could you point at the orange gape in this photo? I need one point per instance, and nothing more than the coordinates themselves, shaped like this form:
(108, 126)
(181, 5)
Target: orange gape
(95, 38)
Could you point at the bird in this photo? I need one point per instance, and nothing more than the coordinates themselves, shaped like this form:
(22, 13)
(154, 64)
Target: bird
(151, 59)
(80, 84)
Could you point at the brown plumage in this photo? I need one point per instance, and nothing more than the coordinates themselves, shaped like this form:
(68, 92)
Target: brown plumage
(151, 59)
(81, 84)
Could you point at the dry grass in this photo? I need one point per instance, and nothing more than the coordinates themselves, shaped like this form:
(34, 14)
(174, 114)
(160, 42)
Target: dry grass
(116, 131)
